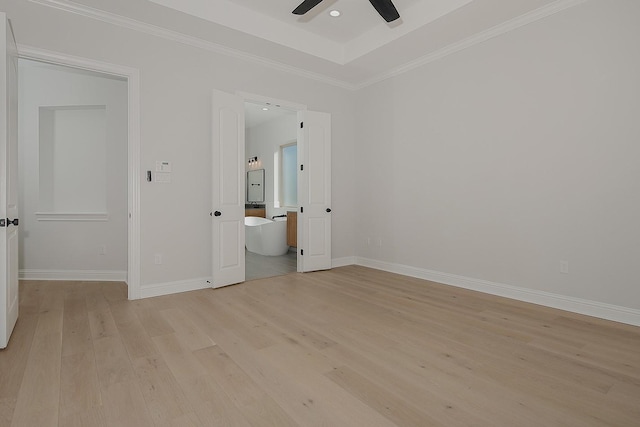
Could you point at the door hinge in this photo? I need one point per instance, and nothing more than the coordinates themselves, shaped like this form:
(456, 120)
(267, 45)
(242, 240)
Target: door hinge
(301, 251)
(301, 125)
(301, 209)
(3, 222)
(301, 167)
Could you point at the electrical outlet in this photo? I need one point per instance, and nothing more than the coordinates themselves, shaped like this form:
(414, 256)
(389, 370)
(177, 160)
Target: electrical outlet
(157, 259)
(564, 267)
(102, 250)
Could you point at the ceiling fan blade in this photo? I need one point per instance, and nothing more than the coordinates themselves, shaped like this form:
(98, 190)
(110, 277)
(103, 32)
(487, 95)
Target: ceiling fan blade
(386, 9)
(305, 6)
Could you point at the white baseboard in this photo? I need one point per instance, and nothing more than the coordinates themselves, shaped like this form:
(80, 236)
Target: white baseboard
(576, 305)
(341, 262)
(158, 289)
(74, 275)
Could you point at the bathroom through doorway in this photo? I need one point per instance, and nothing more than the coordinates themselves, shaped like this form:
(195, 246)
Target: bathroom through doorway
(271, 195)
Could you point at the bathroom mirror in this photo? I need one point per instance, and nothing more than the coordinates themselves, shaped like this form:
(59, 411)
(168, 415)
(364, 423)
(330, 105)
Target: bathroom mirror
(255, 186)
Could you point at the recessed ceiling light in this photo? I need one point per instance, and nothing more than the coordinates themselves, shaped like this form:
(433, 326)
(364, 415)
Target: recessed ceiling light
(335, 13)
(265, 109)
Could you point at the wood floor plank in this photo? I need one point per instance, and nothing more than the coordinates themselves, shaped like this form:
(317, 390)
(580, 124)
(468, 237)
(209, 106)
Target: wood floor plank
(79, 386)
(7, 407)
(125, 311)
(38, 400)
(135, 339)
(348, 346)
(179, 359)
(114, 292)
(218, 410)
(162, 393)
(102, 324)
(187, 332)
(391, 406)
(414, 389)
(232, 379)
(124, 406)
(13, 359)
(289, 326)
(246, 328)
(297, 395)
(93, 417)
(153, 322)
(52, 297)
(266, 412)
(186, 420)
(112, 361)
(344, 408)
(76, 328)
(95, 299)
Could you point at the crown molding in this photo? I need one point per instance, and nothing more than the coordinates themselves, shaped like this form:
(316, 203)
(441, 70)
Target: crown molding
(154, 30)
(43, 55)
(505, 27)
(132, 24)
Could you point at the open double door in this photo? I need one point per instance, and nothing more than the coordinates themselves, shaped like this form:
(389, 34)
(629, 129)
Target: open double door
(314, 190)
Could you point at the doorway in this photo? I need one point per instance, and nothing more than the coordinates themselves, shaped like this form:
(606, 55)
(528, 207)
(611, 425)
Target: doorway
(228, 193)
(72, 173)
(81, 192)
(271, 152)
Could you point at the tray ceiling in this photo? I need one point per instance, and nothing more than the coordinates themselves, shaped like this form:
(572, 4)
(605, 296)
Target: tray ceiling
(353, 50)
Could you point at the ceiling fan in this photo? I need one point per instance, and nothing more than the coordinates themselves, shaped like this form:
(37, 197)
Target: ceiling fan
(385, 8)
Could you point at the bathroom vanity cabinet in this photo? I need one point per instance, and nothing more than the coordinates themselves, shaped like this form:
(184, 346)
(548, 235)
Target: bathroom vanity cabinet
(292, 229)
(252, 210)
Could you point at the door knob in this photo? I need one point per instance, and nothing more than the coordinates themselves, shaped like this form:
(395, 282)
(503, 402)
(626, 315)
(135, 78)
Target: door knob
(217, 213)
(328, 209)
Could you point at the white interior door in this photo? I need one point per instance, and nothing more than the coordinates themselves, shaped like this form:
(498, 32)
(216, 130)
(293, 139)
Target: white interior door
(228, 188)
(314, 190)
(8, 181)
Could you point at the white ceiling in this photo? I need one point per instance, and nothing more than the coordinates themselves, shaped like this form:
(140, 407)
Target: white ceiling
(258, 113)
(354, 50)
(358, 31)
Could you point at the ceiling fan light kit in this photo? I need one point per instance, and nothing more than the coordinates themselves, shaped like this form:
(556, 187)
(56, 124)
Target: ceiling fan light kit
(385, 8)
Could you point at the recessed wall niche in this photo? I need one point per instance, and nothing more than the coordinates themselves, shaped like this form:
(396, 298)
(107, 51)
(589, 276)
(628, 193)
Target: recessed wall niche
(72, 162)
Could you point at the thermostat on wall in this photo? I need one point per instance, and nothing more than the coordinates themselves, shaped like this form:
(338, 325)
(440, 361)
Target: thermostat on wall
(163, 166)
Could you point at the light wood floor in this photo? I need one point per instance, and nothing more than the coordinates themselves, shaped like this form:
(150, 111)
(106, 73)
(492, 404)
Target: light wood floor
(347, 347)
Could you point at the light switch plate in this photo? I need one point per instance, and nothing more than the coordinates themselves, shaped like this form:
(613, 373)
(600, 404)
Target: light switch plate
(163, 166)
(163, 177)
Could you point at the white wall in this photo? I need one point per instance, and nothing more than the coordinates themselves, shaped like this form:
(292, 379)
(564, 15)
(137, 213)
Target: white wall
(72, 246)
(73, 151)
(175, 104)
(263, 141)
(499, 161)
(491, 164)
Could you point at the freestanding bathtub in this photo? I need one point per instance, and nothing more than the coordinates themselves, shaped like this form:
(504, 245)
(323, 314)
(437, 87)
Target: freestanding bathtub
(266, 237)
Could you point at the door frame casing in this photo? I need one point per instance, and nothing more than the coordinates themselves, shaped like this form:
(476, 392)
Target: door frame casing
(132, 75)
